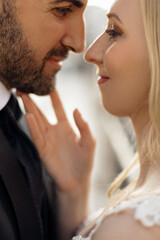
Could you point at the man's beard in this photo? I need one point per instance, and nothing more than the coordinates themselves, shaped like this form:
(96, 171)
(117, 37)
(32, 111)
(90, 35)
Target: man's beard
(18, 65)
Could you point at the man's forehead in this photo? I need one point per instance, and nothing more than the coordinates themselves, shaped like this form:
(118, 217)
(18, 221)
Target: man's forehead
(77, 3)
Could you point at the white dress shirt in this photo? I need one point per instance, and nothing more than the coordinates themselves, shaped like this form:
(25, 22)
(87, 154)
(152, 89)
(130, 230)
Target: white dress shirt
(4, 95)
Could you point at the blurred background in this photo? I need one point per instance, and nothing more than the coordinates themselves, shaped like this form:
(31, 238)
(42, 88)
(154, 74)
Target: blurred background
(77, 86)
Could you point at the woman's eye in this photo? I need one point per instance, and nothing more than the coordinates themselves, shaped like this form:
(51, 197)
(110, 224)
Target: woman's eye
(113, 33)
(61, 12)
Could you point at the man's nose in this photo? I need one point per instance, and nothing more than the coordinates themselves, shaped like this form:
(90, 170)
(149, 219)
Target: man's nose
(74, 38)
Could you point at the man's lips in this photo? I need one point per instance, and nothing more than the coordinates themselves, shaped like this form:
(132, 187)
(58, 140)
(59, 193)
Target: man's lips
(103, 79)
(56, 62)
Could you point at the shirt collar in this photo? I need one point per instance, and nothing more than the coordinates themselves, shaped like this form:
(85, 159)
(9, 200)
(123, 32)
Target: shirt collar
(4, 96)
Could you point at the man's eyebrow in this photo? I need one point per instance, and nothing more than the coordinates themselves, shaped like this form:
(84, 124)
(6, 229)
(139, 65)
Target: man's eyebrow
(77, 3)
(114, 15)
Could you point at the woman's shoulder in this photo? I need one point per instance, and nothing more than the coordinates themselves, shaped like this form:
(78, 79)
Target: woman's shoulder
(146, 209)
(136, 218)
(123, 226)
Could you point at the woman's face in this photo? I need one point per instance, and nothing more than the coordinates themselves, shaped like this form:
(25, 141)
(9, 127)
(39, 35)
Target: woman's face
(121, 57)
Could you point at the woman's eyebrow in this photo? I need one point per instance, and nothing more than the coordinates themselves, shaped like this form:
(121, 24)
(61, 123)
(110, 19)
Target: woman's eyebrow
(77, 3)
(114, 15)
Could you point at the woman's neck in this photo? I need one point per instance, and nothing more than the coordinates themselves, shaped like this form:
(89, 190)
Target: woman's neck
(149, 177)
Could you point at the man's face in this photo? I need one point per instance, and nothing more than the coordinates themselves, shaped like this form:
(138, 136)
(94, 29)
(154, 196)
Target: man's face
(35, 36)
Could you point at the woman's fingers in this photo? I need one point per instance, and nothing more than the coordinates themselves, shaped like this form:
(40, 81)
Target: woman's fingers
(86, 135)
(35, 132)
(58, 107)
(31, 107)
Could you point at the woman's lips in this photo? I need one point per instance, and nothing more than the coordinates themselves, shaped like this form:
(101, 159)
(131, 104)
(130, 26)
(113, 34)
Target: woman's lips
(103, 79)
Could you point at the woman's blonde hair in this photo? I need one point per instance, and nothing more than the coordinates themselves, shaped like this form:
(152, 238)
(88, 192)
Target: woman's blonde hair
(151, 19)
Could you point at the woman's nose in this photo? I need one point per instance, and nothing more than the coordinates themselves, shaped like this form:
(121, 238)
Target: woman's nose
(95, 52)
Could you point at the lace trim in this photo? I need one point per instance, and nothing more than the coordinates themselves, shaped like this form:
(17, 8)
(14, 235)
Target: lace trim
(147, 211)
(80, 238)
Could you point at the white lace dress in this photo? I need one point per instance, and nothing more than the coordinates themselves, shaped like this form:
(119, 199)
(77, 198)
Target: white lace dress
(146, 210)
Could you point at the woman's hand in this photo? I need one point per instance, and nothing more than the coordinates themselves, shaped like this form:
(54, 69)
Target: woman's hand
(67, 158)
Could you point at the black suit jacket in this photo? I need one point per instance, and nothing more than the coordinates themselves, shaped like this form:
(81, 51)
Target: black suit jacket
(8, 223)
(16, 219)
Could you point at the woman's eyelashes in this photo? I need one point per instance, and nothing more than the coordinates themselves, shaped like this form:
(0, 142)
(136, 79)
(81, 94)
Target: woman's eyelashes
(113, 33)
